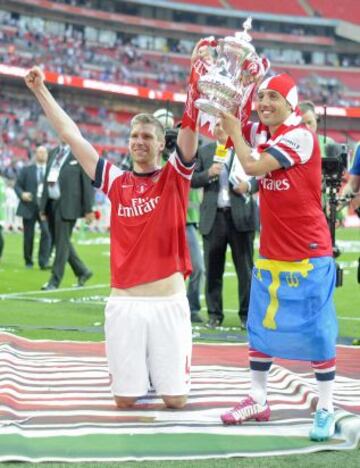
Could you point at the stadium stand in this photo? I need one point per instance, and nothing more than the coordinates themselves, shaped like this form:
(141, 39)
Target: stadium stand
(70, 53)
(209, 3)
(279, 7)
(347, 10)
(123, 61)
(91, 45)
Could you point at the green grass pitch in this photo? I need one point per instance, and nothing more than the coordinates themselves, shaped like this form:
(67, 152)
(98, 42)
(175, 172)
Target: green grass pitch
(77, 314)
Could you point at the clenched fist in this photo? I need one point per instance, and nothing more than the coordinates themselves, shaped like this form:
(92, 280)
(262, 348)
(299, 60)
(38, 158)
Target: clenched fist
(34, 78)
(202, 51)
(215, 169)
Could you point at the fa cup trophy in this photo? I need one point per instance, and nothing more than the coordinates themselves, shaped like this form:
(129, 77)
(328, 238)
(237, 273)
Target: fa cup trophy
(230, 79)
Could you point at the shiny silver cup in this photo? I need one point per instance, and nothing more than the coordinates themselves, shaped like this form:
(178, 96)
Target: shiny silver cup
(226, 83)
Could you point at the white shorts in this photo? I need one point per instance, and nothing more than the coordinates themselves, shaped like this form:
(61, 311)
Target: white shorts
(148, 337)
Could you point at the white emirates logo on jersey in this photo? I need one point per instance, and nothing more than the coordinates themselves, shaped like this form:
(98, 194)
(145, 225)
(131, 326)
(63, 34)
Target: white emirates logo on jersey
(138, 207)
(276, 185)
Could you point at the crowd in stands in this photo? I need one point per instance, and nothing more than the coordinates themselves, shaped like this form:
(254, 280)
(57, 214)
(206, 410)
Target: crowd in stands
(65, 50)
(119, 58)
(327, 91)
(23, 128)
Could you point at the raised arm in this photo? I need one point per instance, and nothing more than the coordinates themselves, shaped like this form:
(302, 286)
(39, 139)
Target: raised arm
(187, 141)
(64, 126)
(188, 135)
(256, 166)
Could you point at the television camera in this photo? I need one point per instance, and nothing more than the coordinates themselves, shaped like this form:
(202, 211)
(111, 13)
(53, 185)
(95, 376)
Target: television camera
(333, 168)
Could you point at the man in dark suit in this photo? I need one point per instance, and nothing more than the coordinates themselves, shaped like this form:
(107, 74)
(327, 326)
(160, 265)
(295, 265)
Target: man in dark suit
(67, 196)
(2, 213)
(227, 217)
(29, 187)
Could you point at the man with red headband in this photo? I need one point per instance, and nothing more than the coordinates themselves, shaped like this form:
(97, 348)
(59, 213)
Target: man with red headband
(291, 314)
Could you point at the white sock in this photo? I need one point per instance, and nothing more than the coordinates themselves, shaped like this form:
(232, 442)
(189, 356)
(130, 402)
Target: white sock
(258, 389)
(325, 390)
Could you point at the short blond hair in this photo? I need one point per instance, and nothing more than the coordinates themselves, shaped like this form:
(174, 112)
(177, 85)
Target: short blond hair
(149, 119)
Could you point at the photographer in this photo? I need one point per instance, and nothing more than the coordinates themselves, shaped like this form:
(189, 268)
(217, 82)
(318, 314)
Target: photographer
(328, 148)
(334, 165)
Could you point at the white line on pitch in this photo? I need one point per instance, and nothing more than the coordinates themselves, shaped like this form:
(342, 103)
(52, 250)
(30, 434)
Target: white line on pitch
(75, 288)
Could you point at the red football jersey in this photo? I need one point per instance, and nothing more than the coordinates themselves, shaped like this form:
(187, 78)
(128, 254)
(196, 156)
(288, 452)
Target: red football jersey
(148, 219)
(293, 225)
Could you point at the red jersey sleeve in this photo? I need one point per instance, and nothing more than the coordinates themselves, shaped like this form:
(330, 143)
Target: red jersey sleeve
(105, 175)
(181, 167)
(294, 147)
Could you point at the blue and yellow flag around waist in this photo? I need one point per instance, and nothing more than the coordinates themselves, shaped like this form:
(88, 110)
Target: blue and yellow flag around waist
(292, 313)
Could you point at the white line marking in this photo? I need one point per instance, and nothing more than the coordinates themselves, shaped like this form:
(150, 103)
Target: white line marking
(75, 288)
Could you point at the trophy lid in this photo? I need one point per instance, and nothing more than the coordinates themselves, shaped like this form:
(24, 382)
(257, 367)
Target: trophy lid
(244, 35)
(241, 39)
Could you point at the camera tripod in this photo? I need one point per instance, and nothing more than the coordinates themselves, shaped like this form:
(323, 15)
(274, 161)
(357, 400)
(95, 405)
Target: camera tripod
(333, 201)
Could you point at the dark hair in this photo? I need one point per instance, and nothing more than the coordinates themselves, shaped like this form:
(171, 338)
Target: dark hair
(306, 106)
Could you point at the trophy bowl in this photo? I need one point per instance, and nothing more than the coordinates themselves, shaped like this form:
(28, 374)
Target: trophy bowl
(224, 85)
(220, 94)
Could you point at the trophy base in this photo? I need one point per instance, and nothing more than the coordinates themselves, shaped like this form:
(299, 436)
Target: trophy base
(210, 107)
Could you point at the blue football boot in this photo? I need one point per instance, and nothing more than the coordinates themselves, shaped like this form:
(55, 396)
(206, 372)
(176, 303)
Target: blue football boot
(323, 426)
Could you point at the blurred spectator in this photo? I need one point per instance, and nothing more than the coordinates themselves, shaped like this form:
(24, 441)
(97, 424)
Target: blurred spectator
(353, 186)
(311, 119)
(29, 187)
(354, 180)
(227, 217)
(67, 196)
(2, 213)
